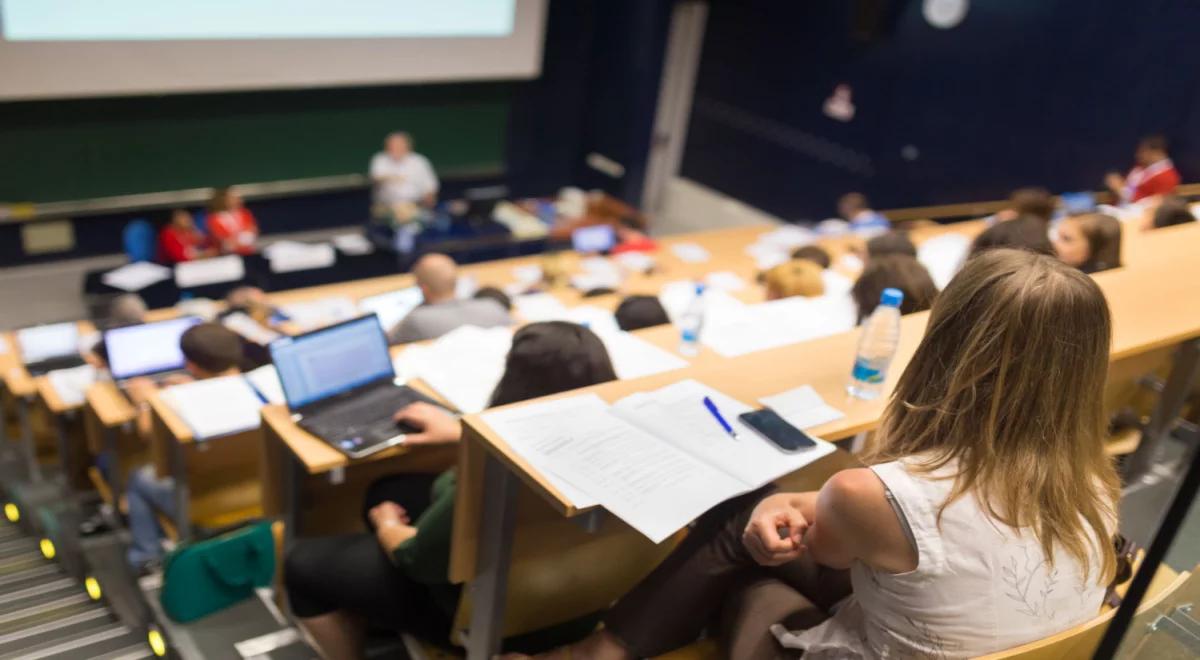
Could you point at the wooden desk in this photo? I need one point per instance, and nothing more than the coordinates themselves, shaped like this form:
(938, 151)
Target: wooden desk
(62, 418)
(108, 424)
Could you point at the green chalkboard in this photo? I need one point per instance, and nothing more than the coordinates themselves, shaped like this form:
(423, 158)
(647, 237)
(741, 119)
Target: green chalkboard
(79, 149)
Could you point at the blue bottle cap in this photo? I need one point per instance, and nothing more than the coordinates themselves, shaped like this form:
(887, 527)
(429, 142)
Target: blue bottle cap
(699, 288)
(891, 297)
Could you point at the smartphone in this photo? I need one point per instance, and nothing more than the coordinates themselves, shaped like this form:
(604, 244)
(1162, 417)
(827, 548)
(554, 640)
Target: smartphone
(770, 425)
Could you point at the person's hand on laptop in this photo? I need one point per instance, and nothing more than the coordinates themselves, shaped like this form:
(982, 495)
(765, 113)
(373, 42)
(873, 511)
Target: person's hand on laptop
(434, 425)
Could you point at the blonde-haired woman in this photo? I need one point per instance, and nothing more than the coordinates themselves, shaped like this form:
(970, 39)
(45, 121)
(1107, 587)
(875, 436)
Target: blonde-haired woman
(799, 277)
(983, 522)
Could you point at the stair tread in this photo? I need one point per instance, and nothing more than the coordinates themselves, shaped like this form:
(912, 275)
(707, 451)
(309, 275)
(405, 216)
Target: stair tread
(42, 641)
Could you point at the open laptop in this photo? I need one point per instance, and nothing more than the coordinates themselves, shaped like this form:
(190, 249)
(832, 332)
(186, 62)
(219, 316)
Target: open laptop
(45, 348)
(593, 240)
(147, 349)
(340, 384)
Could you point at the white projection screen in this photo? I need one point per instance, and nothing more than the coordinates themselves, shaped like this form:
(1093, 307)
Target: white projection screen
(78, 48)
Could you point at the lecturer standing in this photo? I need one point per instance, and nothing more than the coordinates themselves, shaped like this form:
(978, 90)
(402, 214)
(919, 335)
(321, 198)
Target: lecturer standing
(401, 177)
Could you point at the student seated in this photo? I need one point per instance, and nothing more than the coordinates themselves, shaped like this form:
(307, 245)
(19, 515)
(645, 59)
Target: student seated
(1091, 242)
(893, 271)
(893, 242)
(125, 309)
(855, 209)
(396, 577)
(442, 311)
(231, 225)
(492, 293)
(637, 312)
(794, 278)
(1172, 211)
(1034, 202)
(1153, 173)
(181, 240)
(983, 521)
(1025, 233)
(209, 350)
(815, 254)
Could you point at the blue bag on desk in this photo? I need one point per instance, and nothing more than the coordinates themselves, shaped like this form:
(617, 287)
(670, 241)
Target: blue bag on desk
(202, 578)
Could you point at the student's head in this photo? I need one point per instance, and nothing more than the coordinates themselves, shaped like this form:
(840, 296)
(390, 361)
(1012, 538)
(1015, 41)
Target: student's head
(181, 219)
(1034, 202)
(1173, 211)
(210, 349)
(127, 309)
(1024, 233)
(252, 301)
(1006, 389)
(492, 293)
(813, 253)
(1091, 242)
(637, 312)
(398, 144)
(225, 198)
(893, 242)
(552, 357)
(794, 278)
(893, 271)
(850, 204)
(1150, 150)
(437, 276)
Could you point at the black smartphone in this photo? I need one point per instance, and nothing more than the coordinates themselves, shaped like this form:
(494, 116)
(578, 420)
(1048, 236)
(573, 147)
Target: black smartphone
(770, 425)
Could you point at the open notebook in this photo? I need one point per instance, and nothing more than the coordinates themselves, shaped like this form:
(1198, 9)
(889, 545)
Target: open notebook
(657, 460)
(215, 407)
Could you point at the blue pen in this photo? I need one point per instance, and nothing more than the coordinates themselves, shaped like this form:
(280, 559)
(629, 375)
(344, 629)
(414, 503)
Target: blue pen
(712, 408)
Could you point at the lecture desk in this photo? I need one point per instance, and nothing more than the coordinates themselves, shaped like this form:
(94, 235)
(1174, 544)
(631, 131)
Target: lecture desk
(490, 471)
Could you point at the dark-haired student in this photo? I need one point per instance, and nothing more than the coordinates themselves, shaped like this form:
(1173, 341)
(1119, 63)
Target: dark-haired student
(855, 209)
(210, 350)
(1172, 211)
(893, 242)
(1033, 201)
(1024, 233)
(637, 312)
(893, 271)
(396, 577)
(497, 295)
(1091, 242)
(984, 510)
(815, 254)
(1153, 172)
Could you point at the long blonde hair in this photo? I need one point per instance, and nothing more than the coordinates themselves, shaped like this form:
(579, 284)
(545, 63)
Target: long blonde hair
(1007, 387)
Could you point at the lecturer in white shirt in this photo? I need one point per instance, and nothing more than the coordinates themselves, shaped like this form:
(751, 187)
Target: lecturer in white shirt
(401, 177)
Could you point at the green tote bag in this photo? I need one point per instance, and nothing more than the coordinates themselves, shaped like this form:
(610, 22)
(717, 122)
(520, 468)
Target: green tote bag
(202, 578)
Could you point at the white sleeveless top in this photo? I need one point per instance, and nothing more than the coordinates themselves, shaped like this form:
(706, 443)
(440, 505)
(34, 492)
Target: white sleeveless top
(979, 586)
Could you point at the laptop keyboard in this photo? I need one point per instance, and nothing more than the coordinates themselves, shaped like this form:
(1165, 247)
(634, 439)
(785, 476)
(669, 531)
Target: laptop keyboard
(369, 412)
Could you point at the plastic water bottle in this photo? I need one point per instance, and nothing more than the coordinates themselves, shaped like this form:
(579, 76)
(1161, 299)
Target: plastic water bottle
(877, 346)
(690, 324)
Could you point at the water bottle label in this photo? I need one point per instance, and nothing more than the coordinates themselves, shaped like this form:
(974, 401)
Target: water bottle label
(866, 373)
(691, 335)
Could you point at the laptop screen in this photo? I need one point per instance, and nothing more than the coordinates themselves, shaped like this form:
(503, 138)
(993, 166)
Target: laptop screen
(599, 238)
(44, 342)
(332, 360)
(393, 306)
(148, 348)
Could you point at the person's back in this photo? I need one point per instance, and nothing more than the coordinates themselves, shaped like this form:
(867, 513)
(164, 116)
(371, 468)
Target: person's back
(433, 321)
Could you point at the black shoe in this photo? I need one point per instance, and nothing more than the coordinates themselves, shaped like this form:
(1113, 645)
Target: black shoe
(95, 524)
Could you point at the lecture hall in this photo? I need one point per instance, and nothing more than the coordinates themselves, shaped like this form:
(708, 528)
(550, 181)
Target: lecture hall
(599, 329)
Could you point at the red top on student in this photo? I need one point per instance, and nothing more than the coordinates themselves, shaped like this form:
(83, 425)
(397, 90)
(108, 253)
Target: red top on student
(231, 225)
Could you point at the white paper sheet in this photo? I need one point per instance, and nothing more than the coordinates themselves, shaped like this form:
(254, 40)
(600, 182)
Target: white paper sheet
(393, 306)
(771, 325)
(637, 262)
(209, 271)
(676, 296)
(289, 256)
(943, 255)
(598, 320)
(71, 385)
(528, 274)
(690, 252)
(353, 244)
(215, 406)
(725, 280)
(136, 276)
(265, 380)
(634, 357)
(249, 329)
(536, 307)
(465, 364)
(465, 287)
(802, 407)
(318, 313)
(43, 342)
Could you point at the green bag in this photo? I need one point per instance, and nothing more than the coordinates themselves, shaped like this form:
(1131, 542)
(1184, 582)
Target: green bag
(202, 578)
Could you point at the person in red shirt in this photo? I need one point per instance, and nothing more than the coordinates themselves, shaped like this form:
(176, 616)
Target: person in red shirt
(180, 240)
(1154, 173)
(231, 225)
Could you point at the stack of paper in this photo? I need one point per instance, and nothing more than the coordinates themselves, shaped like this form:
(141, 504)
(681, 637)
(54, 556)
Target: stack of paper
(464, 365)
(215, 407)
(190, 274)
(136, 276)
(943, 255)
(249, 329)
(802, 407)
(657, 460)
(290, 256)
(690, 252)
(265, 381)
(634, 357)
(71, 385)
(353, 244)
(521, 223)
(319, 313)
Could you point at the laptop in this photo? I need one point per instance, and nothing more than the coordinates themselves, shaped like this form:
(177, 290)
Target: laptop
(147, 349)
(594, 239)
(340, 385)
(46, 348)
